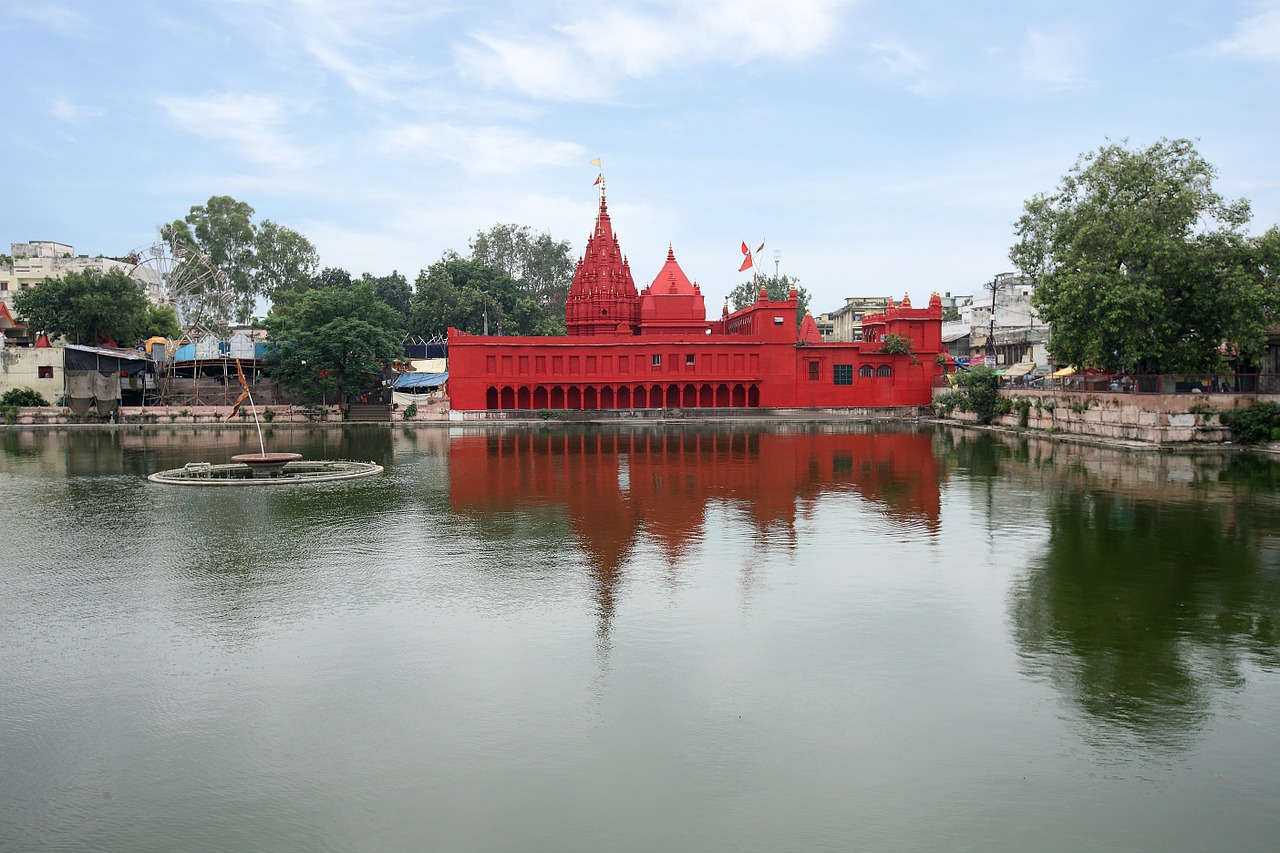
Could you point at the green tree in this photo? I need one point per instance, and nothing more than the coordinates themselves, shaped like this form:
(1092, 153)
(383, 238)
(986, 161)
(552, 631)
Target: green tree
(85, 307)
(222, 230)
(393, 290)
(980, 394)
(284, 263)
(541, 266)
(1140, 264)
(267, 260)
(777, 287)
(332, 277)
(334, 341)
(160, 321)
(461, 292)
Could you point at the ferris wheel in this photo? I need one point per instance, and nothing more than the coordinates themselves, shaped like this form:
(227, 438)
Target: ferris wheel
(185, 278)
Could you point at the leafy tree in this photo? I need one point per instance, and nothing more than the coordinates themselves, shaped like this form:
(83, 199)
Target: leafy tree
(1140, 264)
(459, 292)
(23, 397)
(222, 229)
(332, 277)
(393, 290)
(541, 266)
(161, 321)
(334, 341)
(85, 307)
(980, 394)
(778, 287)
(267, 260)
(284, 262)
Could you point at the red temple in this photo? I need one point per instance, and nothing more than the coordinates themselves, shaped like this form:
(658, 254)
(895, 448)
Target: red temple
(655, 348)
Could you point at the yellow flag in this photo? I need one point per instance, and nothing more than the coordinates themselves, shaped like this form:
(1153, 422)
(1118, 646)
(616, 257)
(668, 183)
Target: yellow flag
(595, 162)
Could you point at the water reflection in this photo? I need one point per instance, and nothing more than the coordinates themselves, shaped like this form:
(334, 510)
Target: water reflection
(614, 488)
(1156, 589)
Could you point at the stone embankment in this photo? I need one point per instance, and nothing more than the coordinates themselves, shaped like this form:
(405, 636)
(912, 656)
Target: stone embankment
(1150, 419)
(437, 410)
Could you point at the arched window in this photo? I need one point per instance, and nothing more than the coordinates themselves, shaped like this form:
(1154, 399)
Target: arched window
(866, 371)
(884, 370)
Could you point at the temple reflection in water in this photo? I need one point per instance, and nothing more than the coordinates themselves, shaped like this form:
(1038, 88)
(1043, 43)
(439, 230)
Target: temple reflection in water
(617, 487)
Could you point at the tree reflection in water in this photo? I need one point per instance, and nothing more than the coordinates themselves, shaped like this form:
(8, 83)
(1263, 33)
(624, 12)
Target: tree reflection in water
(1143, 606)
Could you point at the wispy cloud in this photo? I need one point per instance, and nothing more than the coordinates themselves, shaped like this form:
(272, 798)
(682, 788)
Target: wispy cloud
(1052, 60)
(51, 17)
(588, 57)
(253, 125)
(899, 62)
(479, 150)
(72, 113)
(354, 40)
(1256, 38)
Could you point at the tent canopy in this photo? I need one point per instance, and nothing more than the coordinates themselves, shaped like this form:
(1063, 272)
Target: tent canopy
(420, 380)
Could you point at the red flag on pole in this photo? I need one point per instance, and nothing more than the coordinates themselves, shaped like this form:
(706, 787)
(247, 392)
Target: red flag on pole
(746, 264)
(745, 250)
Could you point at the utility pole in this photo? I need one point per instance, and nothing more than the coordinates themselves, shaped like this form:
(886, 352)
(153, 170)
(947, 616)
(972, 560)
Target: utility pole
(991, 334)
(777, 261)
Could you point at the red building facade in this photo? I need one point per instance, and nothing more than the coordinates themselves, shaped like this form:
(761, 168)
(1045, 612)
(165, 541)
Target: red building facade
(654, 348)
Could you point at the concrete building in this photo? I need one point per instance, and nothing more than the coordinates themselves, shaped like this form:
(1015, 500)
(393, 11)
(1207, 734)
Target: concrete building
(31, 263)
(846, 321)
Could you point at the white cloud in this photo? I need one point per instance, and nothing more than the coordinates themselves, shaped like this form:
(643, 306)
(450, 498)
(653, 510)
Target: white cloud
(586, 59)
(72, 113)
(1256, 38)
(1052, 60)
(57, 19)
(897, 61)
(251, 124)
(479, 150)
(351, 39)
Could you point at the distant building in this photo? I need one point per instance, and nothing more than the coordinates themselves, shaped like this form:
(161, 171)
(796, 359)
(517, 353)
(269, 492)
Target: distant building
(33, 262)
(846, 321)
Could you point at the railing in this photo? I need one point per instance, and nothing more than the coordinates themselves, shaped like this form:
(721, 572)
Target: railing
(1161, 383)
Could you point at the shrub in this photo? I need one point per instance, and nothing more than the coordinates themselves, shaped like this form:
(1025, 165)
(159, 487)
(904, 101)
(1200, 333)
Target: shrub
(1257, 424)
(411, 411)
(1023, 405)
(23, 397)
(981, 389)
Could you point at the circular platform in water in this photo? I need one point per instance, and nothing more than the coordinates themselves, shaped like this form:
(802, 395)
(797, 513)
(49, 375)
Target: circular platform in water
(275, 472)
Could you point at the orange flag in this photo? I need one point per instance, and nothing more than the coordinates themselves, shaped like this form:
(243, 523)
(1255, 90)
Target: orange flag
(746, 264)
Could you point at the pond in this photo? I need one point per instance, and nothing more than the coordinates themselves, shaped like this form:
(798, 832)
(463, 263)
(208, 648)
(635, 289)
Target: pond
(805, 637)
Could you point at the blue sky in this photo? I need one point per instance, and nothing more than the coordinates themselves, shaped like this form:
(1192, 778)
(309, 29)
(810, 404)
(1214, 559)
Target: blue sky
(881, 147)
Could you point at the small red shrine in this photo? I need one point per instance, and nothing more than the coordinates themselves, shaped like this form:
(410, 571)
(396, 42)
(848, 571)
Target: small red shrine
(655, 348)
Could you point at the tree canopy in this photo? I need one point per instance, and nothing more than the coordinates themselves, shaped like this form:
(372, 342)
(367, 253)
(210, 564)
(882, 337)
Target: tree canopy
(541, 266)
(461, 292)
(86, 307)
(267, 260)
(1139, 264)
(334, 341)
(778, 287)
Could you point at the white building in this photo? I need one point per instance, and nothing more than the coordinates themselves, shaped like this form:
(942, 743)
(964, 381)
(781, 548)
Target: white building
(33, 262)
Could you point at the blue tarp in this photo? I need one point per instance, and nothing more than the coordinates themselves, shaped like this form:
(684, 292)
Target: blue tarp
(420, 380)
